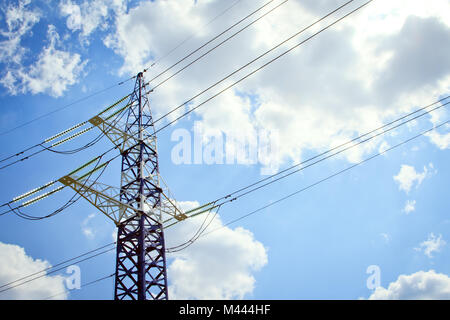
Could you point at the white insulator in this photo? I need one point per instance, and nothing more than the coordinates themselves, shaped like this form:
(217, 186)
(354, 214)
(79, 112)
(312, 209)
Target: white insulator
(71, 137)
(35, 190)
(42, 196)
(65, 131)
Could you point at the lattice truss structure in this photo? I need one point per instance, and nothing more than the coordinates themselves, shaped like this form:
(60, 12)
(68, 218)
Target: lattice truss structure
(120, 204)
(141, 204)
(141, 208)
(141, 261)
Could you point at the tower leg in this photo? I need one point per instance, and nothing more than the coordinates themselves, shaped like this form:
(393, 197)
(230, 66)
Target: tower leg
(140, 261)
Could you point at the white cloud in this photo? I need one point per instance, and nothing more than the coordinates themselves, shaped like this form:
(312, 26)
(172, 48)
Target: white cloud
(88, 16)
(350, 79)
(442, 141)
(408, 176)
(53, 72)
(151, 29)
(86, 229)
(16, 264)
(410, 206)
(19, 21)
(422, 285)
(219, 265)
(432, 244)
(50, 71)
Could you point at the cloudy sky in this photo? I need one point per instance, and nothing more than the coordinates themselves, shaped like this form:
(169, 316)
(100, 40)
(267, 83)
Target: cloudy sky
(378, 64)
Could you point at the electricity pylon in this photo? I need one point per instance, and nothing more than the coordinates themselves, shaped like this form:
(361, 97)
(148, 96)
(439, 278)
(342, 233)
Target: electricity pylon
(141, 260)
(141, 208)
(138, 209)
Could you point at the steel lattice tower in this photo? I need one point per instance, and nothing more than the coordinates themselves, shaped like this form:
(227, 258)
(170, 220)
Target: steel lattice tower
(140, 261)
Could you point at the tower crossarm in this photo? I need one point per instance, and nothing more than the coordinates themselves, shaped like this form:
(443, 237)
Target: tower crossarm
(191, 213)
(118, 137)
(170, 208)
(104, 197)
(169, 205)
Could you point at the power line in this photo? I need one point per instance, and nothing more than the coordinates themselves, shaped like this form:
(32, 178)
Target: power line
(328, 151)
(322, 159)
(111, 86)
(243, 216)
(53, 271)
(57, 265)
(256, 185)
(202, 229)
(228, 198)
(259, 68)
(82, 286)
(25, 158)
(64, 107)
(344, 144)
(116, 118)
(71, 201)
(317, 21)
(216, 46)
(98, 158)
(44, 148)
(191, 36)
(196, 235)
(208, 42)
(70, 152)
(328, 177)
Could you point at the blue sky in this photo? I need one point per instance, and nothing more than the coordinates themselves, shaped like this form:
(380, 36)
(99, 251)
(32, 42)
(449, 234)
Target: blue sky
(375, 66)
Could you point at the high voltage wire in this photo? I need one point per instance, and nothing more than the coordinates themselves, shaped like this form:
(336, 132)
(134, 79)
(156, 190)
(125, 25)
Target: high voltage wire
(328, 177)
(254, 71)
(196, 235)
(209, 99)
(89, 145)
(256, 59)
(98, 158)
(63, 107)
(116, 117)
(82, 286)
(228, 197)
(191, 36)
(86, 146)
(112, 86)
(202, 229)
(211, 40)
(191, 110)
(71, 201)
(57, 265)
(320, 160)
(257, 185)
(297, 44)
(26, 280)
